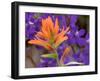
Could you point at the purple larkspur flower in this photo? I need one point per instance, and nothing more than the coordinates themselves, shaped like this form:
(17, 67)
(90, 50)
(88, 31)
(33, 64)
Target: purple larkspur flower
(76, 37)
(82, 55)
(47, 62)
(80, 38)
(32, 24)
(73, 20)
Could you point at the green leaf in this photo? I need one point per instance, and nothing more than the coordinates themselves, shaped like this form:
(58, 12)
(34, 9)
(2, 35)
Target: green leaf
(49, 56)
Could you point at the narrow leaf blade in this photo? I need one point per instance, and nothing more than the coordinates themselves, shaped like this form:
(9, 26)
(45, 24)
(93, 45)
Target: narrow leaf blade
(54, 56)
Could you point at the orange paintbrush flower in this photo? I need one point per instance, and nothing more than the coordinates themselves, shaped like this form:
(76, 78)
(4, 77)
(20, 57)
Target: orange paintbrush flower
(50, 35)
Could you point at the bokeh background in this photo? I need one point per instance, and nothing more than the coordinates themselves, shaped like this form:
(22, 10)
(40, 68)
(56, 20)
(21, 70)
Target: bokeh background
(78, 39)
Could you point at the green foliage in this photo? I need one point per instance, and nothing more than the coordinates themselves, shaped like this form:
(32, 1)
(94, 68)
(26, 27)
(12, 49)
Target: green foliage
(54, 56)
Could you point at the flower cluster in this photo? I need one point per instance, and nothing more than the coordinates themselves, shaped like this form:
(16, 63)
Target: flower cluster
(65, 42)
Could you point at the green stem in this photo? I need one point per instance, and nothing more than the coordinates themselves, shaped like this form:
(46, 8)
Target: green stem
(57, 59)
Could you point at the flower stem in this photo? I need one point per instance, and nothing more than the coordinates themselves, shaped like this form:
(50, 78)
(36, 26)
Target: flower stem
(57, 59)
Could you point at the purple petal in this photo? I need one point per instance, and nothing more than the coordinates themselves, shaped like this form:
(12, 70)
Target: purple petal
(81, 32)
(87, 36)
(74, 18)
(74, 28)
(81, 41)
